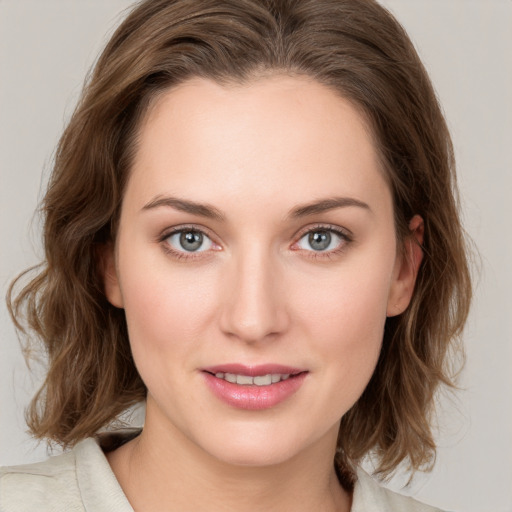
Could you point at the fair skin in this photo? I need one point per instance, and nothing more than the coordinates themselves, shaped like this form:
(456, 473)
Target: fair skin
(260, 280)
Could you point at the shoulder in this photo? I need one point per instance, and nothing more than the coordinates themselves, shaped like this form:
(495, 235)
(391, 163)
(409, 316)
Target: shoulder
(77, 481)
(370, 496)
(49, 485)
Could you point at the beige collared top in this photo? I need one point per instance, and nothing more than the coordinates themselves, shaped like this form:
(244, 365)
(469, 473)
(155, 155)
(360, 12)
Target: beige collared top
(81, 480)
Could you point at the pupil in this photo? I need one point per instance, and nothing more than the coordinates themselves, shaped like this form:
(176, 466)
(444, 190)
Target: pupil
(191, 240)
(319, 240)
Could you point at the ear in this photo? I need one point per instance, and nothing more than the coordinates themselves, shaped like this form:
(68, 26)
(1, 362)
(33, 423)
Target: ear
(107, 266)
(406, 268)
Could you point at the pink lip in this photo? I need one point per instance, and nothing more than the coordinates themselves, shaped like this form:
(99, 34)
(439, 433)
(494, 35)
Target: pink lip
(252, 397)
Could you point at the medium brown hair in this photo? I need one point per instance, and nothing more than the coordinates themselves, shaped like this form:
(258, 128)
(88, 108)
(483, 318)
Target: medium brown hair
(353, 46)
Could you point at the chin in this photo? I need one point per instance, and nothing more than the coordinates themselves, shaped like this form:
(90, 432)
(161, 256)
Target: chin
(255, 456)
(259, 445)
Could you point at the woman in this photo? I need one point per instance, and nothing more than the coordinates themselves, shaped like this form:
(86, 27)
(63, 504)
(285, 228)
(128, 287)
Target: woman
(252, 225)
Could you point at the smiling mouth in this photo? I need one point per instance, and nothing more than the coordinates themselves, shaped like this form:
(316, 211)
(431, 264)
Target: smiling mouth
(254, 387)
(248, 380)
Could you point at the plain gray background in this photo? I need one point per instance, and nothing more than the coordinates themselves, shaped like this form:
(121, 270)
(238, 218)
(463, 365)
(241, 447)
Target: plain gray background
(46, 48)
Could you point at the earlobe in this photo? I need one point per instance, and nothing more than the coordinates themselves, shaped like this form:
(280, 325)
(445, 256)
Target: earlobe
(407, 268)
(108, 269)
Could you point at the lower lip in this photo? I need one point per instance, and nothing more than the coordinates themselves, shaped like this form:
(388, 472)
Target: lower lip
(254, 397)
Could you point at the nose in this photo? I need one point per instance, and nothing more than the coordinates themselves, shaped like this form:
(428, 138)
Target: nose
(254, 308)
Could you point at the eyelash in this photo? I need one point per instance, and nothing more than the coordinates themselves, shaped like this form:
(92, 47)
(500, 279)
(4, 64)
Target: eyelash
(344, 235)
(182, 255)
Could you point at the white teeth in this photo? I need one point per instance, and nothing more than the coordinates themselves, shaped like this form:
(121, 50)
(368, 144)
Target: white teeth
(247, 380)
(263, 380)
(244, 380)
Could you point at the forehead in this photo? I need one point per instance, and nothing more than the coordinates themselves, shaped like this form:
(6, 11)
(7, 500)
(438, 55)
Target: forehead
(282, 137)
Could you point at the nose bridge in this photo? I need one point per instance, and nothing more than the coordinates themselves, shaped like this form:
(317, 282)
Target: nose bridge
(254, 307)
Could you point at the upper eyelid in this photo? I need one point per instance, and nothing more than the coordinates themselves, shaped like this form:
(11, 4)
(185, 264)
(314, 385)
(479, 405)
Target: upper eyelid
(325, 227)
(167, 232)
(306, 229)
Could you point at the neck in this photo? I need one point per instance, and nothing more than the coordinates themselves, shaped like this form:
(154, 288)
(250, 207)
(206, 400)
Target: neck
(162, 470)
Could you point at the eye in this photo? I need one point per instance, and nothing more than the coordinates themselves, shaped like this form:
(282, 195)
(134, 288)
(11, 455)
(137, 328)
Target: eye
(322, 240)
(189, 240)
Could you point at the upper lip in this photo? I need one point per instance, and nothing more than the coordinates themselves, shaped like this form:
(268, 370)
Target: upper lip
(253, 371)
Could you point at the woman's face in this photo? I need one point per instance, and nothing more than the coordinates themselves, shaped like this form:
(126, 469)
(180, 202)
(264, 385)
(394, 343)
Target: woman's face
(256, 262)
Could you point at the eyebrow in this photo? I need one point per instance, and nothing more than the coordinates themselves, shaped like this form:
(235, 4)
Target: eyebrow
(325, 205)
(205, 210)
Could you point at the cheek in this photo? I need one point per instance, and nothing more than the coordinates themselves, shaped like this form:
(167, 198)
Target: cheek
(346, 315)
(350, 303)
(166, 310)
